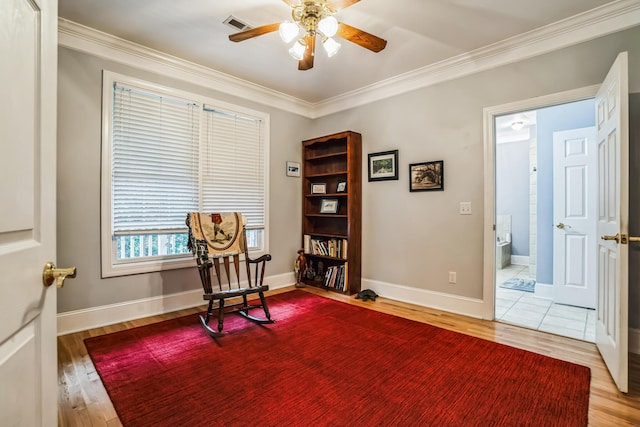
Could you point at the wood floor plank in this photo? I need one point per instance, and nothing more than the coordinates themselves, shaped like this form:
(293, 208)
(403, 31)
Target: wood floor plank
(83, 401)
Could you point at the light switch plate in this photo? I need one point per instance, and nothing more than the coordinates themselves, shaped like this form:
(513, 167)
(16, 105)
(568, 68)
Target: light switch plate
(465, 208)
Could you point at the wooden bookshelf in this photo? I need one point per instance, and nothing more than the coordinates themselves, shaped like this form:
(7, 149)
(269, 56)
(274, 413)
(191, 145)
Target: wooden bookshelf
(331, 230)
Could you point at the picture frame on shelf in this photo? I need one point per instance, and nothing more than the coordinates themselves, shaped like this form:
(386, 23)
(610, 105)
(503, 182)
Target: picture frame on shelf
(383, 166)
(318, 188)
(341, 187)
(293, 169)
(329, 206)
(426, 176)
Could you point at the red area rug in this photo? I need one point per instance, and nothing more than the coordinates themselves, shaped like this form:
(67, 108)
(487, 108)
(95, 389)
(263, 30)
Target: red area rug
(327, 363)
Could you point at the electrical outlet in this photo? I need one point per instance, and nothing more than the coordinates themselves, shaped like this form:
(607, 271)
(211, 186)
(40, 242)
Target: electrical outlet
(452, 277)
(465, 208)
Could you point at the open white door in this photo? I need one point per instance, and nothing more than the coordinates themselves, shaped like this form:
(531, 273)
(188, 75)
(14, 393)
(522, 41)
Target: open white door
(575, 172)
(612, 123)
(28, 89)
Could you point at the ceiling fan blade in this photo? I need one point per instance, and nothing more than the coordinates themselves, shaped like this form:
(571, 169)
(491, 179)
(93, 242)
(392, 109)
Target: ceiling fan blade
(306, 63)
(361, 38)
(254, 32)
(340, 4)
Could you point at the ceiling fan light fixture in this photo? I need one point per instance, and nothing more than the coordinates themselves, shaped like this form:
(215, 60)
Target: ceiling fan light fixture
(331, 46)
(288, 31)
(328, 26)
(297, 50)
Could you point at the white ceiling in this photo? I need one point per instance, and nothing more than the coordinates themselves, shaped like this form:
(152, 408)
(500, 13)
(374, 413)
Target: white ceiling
(420, 33)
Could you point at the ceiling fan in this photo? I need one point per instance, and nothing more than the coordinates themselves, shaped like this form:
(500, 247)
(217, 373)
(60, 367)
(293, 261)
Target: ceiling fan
(314, 18)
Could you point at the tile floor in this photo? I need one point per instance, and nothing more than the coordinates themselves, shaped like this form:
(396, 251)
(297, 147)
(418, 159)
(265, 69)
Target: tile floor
(525, 309)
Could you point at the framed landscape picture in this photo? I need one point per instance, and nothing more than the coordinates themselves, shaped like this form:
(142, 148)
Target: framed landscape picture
(383, 166)
(426, 176)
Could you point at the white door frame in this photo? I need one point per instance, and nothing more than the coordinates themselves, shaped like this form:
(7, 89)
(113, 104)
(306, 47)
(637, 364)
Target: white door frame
(490, 114)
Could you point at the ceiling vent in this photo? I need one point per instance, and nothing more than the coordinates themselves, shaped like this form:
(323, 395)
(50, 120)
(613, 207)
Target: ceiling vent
(236, 24)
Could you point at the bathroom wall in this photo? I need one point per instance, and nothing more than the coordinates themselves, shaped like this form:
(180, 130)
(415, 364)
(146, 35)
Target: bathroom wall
(512, 191)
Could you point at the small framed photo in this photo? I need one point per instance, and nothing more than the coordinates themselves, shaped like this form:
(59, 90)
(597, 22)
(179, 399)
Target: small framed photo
(383, 166)
(318, 188)
(341, 187)
(329, 206)
(426, 176)
(293, 169)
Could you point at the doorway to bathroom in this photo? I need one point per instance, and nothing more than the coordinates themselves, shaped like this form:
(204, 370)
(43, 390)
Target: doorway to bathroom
(546, 173)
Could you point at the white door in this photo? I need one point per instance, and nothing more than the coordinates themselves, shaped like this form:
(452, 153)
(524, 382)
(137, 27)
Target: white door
(575, 172)
(28, 88)
(612, 123)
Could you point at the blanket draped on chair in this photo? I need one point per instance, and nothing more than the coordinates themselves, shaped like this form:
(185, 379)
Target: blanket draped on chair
(215, 235)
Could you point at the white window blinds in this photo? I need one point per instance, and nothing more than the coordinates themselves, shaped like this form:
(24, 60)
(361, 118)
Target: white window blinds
(233, 177)
(154, 161)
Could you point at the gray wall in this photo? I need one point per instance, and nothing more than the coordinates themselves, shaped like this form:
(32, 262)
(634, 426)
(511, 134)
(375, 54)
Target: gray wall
(411, 239)
(78, 212)
(575, 115)
(445, 122)
(512, 191)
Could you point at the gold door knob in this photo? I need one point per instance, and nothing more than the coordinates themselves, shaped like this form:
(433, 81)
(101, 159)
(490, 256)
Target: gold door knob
(52, 274)
(560, 226)
(616, 238)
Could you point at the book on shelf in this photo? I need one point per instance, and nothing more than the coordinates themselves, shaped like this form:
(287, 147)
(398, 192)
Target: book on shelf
(307, 244)
(335, 248)
(336, 277)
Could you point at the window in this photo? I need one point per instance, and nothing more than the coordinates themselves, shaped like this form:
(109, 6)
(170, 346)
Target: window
(167, 153)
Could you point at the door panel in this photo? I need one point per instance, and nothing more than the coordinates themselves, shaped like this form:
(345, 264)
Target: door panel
(28, 87)
(612, 112)
(574, 211)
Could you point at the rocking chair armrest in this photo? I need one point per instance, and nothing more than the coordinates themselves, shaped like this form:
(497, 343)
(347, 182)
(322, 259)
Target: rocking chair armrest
(263, 258)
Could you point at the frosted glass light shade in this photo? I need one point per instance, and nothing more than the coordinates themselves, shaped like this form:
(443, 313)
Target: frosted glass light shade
(331, 47)
(288, 31)
(328, 26)
(297, 51)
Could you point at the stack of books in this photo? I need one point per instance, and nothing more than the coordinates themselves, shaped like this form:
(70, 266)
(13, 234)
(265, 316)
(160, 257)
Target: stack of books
(335, 248)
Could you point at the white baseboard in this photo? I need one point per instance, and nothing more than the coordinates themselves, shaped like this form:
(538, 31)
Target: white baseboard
(544, 290)
(519, 260)
(95, 317)
(447, 302)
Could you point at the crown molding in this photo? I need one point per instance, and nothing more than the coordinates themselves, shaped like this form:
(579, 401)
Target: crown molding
(88, 40)
(610, 18)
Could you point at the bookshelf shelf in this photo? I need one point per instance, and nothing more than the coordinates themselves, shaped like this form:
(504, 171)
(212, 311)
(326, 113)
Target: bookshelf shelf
(332, 240)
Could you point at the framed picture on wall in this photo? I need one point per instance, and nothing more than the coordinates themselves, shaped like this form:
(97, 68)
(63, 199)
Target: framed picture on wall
(293, 169)
(383, 166)
(426, 176)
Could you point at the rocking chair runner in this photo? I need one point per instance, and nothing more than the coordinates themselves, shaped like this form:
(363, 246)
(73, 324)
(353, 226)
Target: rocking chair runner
(215, 237)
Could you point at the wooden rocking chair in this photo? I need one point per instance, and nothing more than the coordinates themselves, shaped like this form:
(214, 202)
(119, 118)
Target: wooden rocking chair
(216, 237)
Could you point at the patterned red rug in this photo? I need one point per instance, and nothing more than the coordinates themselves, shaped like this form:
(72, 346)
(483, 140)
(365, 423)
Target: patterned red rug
(327, 363)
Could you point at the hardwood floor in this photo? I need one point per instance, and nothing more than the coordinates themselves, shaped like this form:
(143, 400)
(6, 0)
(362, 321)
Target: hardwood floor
(83, 401)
